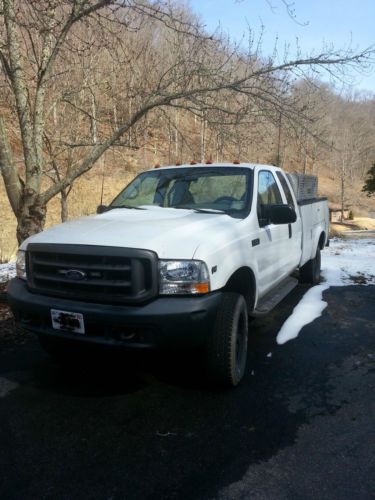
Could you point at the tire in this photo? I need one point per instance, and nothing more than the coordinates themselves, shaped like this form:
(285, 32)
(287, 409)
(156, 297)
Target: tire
(227, 349)
(310, 272)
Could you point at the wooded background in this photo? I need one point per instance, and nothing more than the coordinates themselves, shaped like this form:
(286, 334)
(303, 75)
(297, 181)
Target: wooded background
(105, 89)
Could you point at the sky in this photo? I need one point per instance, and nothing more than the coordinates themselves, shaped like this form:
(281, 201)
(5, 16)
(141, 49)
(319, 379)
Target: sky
(343, 23)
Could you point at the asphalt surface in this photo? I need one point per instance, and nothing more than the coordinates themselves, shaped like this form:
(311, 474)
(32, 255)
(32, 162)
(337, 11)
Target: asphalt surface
(300, 426)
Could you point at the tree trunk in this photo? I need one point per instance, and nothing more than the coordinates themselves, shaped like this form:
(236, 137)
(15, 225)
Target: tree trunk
(8, 170)
(177, 117)
(305, 164)
(31, 216)
(342, 190)
(278, 157)
(203, 140)
(64, 205)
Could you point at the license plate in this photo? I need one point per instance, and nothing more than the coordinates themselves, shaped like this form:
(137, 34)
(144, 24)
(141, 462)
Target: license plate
(67, 321)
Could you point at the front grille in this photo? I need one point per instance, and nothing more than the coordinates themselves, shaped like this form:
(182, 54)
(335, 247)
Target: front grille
(92, 273)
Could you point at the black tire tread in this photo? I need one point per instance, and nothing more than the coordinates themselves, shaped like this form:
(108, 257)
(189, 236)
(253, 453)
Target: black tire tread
(221, 345)
(308, 273)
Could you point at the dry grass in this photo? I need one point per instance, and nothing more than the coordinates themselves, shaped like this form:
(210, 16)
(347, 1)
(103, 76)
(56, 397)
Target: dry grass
(83, 200)
(356, 200)
(358, 223)
(364, 223)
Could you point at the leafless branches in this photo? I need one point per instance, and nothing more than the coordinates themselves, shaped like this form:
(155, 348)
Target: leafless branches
(84, 76)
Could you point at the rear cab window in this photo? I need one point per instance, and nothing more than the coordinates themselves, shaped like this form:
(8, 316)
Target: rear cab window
(284, 184)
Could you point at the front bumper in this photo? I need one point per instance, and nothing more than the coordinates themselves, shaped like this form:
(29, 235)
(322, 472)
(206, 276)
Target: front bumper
(164, 322)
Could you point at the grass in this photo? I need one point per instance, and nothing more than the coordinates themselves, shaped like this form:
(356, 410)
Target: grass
(83, 200)
(358, 223)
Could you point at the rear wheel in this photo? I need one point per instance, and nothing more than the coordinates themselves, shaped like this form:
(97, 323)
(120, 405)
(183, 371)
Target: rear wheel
(227, 349)
(310, 272)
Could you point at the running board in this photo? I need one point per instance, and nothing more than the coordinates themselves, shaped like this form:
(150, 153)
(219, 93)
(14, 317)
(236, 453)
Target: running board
(272, 298)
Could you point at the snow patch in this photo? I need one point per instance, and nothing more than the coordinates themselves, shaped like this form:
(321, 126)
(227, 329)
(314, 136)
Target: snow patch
(309, 307)
(7, 271)
(344, 262)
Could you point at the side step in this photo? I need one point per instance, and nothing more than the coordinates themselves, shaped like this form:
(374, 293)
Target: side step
(272, 298)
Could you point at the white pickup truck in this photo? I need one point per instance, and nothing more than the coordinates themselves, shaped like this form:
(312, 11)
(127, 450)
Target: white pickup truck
(182, 256)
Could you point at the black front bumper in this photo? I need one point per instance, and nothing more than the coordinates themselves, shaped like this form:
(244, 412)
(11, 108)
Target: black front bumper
(163, 322)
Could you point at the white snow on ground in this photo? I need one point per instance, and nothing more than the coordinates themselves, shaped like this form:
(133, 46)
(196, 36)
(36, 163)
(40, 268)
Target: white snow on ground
(344, 262)
(7, 271)
(309, 307)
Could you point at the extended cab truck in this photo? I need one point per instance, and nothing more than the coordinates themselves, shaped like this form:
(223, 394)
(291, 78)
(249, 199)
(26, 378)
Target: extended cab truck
(180, 257)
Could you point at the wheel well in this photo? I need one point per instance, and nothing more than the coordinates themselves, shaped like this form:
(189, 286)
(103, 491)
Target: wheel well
(322, 239)
(243, 282)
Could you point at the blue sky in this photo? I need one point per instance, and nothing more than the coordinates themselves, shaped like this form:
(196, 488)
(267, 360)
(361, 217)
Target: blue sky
(340, 22)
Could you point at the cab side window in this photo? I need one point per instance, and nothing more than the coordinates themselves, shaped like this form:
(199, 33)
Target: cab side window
(284, 184)
(268, 194)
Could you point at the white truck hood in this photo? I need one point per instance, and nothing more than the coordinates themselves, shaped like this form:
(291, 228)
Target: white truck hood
(171, 233)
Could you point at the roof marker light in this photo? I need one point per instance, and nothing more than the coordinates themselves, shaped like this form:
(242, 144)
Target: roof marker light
(236, 162)
(157, 165)
(193, 162)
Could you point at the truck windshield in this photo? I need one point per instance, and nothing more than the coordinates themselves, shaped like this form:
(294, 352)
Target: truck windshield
(203, 189)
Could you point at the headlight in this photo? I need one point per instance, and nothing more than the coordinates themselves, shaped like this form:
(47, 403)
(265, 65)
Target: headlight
(21, 264)
(183, 276)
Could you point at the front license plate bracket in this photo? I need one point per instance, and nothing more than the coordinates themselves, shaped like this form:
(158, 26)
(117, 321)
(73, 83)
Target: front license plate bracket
(67, 321)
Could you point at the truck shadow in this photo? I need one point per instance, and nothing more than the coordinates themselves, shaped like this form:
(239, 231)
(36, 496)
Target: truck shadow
(94, 376)
(96, 373)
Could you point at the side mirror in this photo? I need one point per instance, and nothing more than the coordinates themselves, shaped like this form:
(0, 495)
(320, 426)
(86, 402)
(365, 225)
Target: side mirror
(282, 214)
(100, 209)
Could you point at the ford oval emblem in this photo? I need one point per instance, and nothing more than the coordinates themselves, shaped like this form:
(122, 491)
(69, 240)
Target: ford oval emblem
(73, 274)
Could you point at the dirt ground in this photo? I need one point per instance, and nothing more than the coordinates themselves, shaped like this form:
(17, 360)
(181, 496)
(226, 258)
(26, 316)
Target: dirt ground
(359, 223)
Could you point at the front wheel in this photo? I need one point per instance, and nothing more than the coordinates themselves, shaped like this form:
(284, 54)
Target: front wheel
(227, 349)
(310, 272)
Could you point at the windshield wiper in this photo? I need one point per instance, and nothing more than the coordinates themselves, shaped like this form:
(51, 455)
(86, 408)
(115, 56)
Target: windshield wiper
(208, 211)
(125, 206)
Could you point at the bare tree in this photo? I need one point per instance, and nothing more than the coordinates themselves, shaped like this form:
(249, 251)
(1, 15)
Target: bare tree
(353, 145)
(43, 45)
